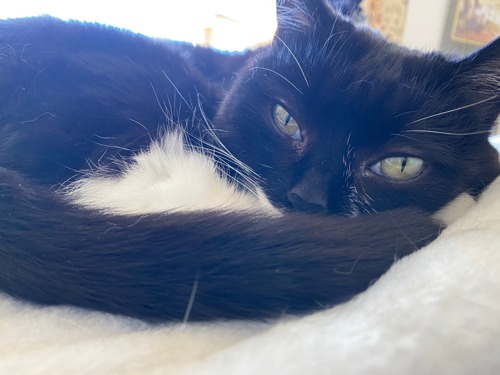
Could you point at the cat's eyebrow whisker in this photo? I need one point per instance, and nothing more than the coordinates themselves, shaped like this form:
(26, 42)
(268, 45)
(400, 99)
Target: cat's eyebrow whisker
(341, 46)
(338, 12)
(404, 113)
(405, 136)
(280, 75)
(323, 49)
(295, 58)
(358, 83)
(454, 110)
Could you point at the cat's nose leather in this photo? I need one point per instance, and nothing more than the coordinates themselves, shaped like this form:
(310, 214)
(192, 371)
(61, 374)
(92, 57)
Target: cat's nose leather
(309, 194)
(303, 205)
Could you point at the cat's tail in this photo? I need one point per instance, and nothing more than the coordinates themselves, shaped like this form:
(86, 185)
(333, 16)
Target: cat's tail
(193, 266)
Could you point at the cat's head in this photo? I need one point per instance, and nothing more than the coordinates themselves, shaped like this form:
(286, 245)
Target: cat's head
(335, 118)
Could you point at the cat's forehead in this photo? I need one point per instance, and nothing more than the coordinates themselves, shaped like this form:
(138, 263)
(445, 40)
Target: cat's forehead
(350, 56)
(351, 73)
(355, 70)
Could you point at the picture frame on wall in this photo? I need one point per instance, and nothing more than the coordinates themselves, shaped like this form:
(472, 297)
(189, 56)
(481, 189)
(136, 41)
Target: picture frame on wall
(470, 24)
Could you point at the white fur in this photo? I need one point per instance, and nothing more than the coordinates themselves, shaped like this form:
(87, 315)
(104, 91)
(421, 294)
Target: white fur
(455, 209)
(167, 177)
(66, 340)
(435, 312)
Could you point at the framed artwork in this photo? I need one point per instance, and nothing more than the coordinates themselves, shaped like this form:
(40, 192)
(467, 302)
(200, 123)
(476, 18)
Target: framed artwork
(471, 23)
(388, 16)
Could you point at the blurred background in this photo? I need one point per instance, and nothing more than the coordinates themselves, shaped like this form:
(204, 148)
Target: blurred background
(457, 26)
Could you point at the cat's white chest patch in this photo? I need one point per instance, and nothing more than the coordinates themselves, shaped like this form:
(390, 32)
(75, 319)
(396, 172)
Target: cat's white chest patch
(167, 177)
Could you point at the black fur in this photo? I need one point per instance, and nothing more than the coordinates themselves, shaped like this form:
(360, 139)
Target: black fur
(72, 94)
(238, 266)
(361, 99)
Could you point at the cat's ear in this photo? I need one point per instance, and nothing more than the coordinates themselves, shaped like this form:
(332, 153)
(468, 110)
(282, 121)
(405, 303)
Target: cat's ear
(483, 67)
(479, 75)
(307, 15)
(488, 54)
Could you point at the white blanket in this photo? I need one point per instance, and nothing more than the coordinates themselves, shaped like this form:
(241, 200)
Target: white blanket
(435, 312)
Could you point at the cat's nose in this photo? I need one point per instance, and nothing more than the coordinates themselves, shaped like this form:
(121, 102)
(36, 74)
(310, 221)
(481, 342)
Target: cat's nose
(309, 194)
(301, 204)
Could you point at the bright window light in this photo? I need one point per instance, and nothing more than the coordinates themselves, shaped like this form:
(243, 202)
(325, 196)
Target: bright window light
(225, 24)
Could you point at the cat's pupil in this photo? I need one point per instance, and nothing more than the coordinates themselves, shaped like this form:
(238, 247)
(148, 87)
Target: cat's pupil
(286, 123)
(399, 168)
(403, 163)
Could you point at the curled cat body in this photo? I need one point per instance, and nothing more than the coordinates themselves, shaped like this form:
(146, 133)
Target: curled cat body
(167, 182)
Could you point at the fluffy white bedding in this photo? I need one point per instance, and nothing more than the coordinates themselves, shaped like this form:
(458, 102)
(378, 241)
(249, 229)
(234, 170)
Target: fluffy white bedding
(435, 312)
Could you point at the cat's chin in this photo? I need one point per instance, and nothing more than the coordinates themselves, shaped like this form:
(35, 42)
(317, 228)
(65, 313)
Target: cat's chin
(169, 176)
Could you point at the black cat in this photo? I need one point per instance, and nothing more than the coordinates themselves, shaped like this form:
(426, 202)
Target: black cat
(168, 182)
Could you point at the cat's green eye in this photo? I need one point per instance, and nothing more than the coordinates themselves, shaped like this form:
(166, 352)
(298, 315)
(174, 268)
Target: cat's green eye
(399, 168)
(286, 123)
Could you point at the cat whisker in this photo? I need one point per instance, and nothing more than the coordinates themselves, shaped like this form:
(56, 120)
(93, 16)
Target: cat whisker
(295, 58)
(403, 233)
(251, 187)
(358, 82)
(266, 166)
(99, 161)
(224, 160)
(407, 137)
(368, 199)
(69, 180)
(138, 123)
(351, 270)
(454, 110)
(340, 48)
(323, 49)
(168, 110)
(192, 296)
(51, 115)
(113, 146)
(103, 137)
(162, 108)
(447, 133)
(223, 165)
(223, 151)
(176, 89)
(173, 111)
(278, 74)
(404, 113)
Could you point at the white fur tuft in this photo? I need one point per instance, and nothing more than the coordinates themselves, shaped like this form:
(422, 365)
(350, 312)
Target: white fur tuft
(167, 177)
(455, 209)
